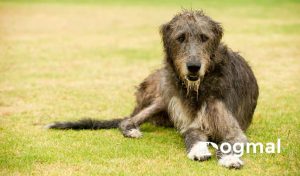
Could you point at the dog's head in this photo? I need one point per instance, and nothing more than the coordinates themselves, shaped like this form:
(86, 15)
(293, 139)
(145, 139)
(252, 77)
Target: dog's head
(190, 40)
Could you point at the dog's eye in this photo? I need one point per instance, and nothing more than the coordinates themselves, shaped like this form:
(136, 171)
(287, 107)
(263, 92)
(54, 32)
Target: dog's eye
(181, 38)
(203, 37)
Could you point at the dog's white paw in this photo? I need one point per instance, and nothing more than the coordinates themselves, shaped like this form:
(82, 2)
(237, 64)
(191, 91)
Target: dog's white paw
(231, 161)
(134, 133)
(199, 152)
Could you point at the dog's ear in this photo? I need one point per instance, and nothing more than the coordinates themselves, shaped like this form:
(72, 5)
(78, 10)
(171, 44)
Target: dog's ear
(218, 31)
(165, 31)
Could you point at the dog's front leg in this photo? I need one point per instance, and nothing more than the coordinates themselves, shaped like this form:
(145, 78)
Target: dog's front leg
(196, 145)
(130, 126)
(227, 130)
(229, 154)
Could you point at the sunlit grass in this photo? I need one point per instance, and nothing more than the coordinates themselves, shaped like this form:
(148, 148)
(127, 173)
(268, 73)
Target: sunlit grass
(64, 61)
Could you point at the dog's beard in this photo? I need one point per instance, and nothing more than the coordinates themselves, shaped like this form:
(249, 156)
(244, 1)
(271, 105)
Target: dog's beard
(192, 86)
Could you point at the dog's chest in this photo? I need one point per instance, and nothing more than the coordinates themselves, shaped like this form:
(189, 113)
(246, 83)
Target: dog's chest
(184, 117)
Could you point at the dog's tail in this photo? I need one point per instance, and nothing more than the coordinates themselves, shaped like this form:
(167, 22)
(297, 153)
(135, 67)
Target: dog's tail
(85, 124)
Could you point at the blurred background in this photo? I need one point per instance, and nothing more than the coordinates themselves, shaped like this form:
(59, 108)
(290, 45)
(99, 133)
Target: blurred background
(67, 59)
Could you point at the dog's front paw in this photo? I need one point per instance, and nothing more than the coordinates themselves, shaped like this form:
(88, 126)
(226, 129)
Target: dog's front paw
(199, 152)
(231, 161)
(133, 133)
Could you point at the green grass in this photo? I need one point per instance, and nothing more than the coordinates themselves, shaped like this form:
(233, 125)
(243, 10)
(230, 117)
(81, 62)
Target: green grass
(63, 60)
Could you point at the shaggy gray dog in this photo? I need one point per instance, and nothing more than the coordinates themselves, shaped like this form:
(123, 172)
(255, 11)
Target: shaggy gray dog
(205, 90)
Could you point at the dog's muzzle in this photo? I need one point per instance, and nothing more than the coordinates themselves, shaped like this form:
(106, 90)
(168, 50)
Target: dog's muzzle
(193, 70)
(192, 77)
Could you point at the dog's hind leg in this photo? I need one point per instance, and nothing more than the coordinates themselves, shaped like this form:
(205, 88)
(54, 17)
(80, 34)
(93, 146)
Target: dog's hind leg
(161, 119)
(130, 126)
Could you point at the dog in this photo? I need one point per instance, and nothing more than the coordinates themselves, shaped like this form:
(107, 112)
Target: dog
(204, 89)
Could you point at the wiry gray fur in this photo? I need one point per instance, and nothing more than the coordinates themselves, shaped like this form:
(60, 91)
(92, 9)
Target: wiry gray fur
(207, 91)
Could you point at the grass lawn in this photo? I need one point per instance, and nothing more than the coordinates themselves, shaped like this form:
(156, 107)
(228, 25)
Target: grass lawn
(64, 60)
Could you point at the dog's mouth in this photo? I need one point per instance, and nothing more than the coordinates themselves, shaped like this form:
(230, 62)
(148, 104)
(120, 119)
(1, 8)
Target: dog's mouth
(193, 77)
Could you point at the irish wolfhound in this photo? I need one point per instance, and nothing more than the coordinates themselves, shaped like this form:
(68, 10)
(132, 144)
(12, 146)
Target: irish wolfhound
(205, 90)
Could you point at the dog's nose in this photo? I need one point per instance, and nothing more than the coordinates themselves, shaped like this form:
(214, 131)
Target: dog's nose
(193, 67)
